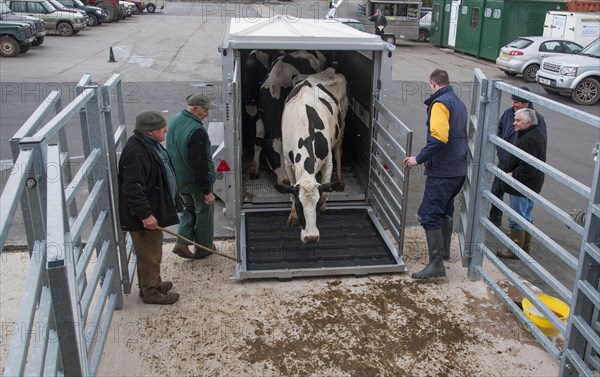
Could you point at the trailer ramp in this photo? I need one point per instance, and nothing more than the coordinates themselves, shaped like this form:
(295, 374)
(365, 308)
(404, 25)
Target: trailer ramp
(352, 243)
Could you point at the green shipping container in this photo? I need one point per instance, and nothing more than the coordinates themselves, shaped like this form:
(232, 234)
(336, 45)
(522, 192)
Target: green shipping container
(484, 26)
(440, 22)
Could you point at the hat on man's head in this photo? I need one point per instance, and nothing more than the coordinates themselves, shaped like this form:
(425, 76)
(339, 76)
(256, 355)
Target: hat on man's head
(149, 121)
(199, 99)
(517, 98)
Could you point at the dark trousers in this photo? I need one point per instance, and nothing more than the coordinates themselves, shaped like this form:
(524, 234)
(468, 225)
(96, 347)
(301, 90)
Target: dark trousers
(497, 191)
(148, 249)
(438, 200)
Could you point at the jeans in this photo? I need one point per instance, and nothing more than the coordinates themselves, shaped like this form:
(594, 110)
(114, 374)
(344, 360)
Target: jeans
(523, 207)
(438, 200)
(196, 221)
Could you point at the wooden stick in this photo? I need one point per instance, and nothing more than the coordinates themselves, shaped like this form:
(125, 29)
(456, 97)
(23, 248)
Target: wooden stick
(197, 245)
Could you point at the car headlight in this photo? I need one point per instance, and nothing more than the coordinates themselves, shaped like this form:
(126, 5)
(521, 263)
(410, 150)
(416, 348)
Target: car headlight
(568, 71)
(99, 11)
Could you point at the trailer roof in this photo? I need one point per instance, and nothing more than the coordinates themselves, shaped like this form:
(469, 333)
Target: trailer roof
(300, 33)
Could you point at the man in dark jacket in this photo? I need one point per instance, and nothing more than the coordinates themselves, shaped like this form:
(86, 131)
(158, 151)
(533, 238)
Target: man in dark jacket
(379, 21)
(445, 160)
(147, 193)
(506, 130)
(531, 140)
(189, 149)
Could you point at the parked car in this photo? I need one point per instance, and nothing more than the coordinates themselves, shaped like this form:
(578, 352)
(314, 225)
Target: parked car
(524, 55)
(575, 75)
(129, 7)
(114, 10)
(15, 37)
(151, 6)
(140, 6)
(425, 27)
(39, 31)
(63, 23)
(56, 4)
(96, 15)
(424, 10)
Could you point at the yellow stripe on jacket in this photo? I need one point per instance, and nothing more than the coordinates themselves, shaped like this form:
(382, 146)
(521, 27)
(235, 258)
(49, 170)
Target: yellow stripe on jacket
(439, 122)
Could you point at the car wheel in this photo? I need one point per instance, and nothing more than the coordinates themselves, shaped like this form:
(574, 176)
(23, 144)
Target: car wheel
(390, 39)
(9, 47)
(25, 47)
(150, 8)
(530, 71)
(93, 20)
(423, 35)
(551, 91)
(587, 92)
(65, 29)
(509, 74)
(38, 41)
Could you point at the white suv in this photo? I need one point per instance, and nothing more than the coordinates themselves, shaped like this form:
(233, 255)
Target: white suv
(577, 75)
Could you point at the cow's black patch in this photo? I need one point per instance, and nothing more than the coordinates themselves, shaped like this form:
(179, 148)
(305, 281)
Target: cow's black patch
(327, 104)
(296, 89)
(321, 146)
(314, 120)
(309, 165)
(300, 211)
(323, 89)
(301, 64)
(298, 157)
(291, 156)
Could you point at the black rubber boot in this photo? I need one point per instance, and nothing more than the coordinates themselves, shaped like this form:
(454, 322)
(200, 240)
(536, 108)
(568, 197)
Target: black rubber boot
(527, 243)
(435, 268)
(447, 225)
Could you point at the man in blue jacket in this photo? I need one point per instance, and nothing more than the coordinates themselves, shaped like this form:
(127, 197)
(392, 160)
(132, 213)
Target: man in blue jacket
(506, 130)
(445, 160)
(189, 149)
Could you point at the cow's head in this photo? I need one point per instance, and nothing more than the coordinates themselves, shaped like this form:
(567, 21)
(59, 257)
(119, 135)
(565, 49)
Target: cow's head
(307, 201)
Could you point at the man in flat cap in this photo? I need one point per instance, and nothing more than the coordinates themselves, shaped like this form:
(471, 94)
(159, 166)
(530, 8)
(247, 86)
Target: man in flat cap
(506, 130)
(188, 146)
(147, 197)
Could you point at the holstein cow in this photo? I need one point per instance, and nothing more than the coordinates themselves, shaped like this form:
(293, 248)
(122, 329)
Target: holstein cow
(312, 127)
(271, 100)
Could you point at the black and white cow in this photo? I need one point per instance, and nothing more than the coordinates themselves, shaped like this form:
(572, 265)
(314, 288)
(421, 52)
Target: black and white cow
(313, 126)
(271, 100)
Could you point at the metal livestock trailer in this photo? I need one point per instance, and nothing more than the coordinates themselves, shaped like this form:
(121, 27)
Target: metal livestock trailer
(362, 228)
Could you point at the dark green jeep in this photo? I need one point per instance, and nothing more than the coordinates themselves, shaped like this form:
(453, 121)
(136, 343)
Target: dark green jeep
(15, 37)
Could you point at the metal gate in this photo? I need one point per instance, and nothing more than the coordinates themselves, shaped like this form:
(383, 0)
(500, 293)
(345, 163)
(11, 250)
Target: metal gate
(477, 233)
(69, 214)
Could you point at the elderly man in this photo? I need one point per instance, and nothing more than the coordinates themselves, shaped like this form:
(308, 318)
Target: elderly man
(147, 197)
(189, 148)
(506, 130)
(531, 140)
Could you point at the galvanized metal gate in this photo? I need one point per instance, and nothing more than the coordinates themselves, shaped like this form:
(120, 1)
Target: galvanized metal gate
(69, 215)
(477, 233)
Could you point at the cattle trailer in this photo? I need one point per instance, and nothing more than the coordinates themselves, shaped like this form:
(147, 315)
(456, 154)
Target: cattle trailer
(363, 227)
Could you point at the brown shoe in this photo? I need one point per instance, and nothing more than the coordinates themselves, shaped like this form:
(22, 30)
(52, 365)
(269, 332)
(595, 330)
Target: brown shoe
(183, 252)
(165, 287)
(160, 298)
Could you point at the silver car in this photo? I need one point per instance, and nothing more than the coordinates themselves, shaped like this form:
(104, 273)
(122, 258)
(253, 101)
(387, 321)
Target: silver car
(524, 55)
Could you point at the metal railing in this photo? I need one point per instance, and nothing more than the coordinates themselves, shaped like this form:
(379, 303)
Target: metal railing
(477, 232)
(74, 284)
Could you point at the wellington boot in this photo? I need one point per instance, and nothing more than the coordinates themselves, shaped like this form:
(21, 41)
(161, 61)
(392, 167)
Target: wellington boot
(447, 225)
(518, 237)
(165, 287)
(527, 243)
(435, 268)
(160, 298)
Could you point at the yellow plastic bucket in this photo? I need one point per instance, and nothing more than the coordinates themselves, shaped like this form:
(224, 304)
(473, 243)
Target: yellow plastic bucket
(557, 306)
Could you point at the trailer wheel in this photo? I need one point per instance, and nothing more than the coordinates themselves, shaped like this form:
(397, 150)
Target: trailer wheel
(150, 8)
(38, 41)
(110, 9)
(390, 39)
(423, 35)
(587, 92)
(530, 71)
(9, 47)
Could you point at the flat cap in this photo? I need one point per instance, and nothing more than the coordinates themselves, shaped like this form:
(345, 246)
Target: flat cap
(149, 121)
(200, 99)
(517, 98)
